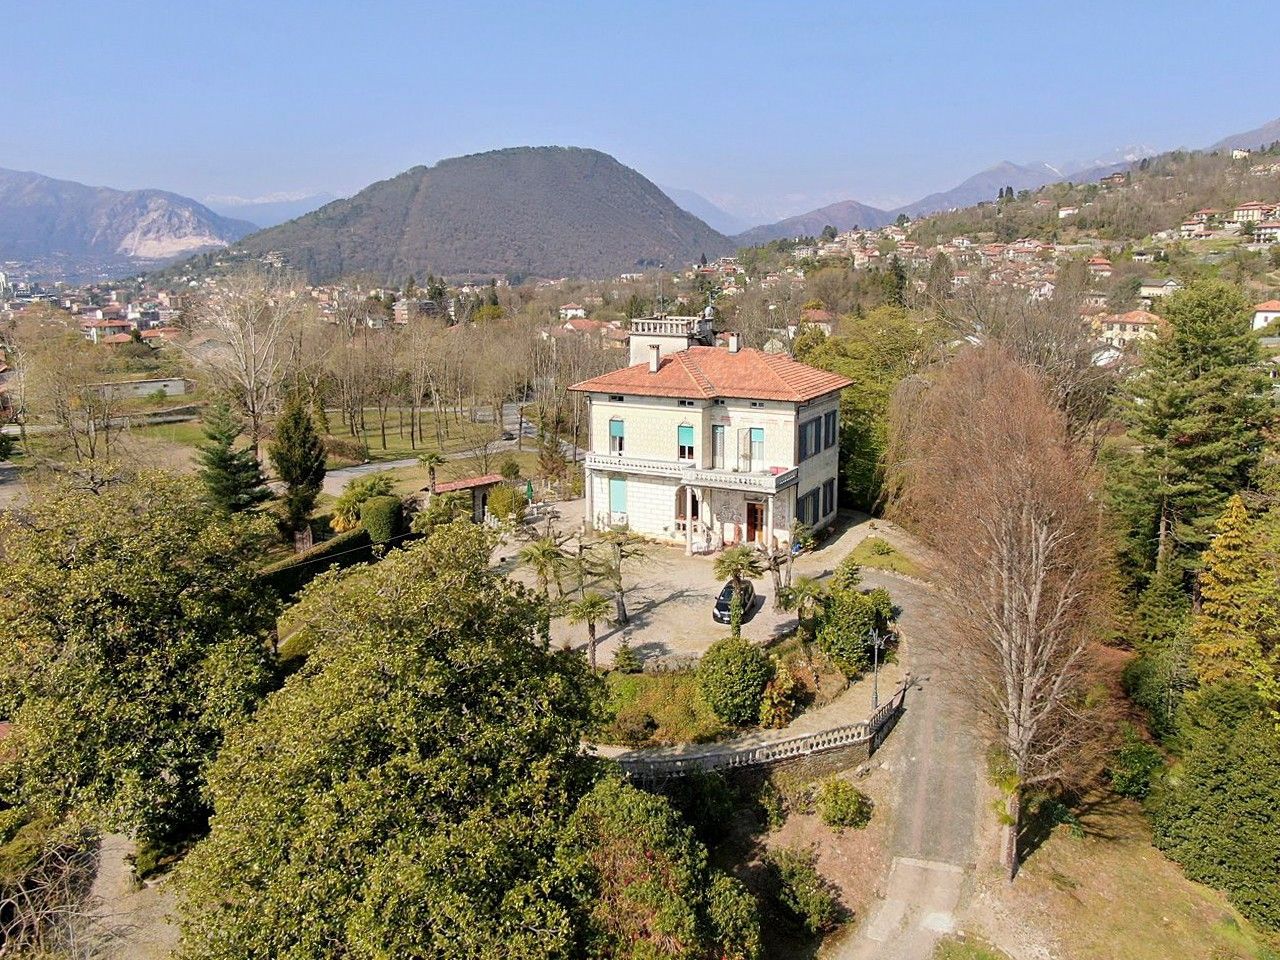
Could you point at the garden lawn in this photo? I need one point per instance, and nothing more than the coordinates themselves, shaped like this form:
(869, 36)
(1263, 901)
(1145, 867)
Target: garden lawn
(673, 701)
(880, 553)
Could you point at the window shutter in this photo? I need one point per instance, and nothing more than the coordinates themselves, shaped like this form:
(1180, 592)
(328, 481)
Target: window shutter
(615, 428)
(684, 435)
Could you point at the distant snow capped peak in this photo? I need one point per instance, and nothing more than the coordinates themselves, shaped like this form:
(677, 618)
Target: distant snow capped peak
(1127, 154)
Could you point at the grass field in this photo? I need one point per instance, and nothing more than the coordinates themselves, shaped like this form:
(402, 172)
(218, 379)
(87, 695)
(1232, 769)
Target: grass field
(1110, 895)
(967, 948)
(879, 553)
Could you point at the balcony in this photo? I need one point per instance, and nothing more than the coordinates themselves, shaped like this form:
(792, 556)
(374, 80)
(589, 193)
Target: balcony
(757, 481)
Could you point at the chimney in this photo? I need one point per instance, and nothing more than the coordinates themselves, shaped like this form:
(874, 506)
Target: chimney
(655, 357)
(735, 342)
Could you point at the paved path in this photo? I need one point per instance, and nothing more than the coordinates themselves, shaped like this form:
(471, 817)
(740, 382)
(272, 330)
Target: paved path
(932, 842)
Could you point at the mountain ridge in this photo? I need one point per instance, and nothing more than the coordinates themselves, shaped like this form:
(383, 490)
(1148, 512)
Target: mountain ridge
(42, 217)
(518, 212)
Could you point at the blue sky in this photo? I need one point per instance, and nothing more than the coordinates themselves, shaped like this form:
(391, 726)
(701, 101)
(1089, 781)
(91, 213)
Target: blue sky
(773, 105)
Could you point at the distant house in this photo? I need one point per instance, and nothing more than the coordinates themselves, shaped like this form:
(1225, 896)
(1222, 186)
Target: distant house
(1064, 212)
(1205, 215)
(1143, 256)
(1252, 212)
(1122, 329)
(1151, 289)
(572, 311)
(103, 331)
(1265, 313)
(1193, 230)
(1268, 231)
(1239, 154)
(1100, 267)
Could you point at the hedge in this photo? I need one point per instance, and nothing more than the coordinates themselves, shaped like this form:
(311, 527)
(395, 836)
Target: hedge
(346, 549)
(382, 518)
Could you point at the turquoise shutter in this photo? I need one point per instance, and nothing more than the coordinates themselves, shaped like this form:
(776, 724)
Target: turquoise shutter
(685, 436)
(617, 494)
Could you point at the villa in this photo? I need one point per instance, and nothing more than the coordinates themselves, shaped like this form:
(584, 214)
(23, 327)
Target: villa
(711, 446)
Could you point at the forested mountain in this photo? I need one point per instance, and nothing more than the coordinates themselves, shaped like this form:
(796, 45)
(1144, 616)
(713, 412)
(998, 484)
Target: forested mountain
(519, 212)
(984, 186)
(844, 215)
(41, 217)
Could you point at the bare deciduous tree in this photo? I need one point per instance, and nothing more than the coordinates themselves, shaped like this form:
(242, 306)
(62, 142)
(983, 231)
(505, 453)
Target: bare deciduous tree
(242, 331)
(984, 469)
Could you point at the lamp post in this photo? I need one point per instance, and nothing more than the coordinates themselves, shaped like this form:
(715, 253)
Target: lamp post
(877, 644)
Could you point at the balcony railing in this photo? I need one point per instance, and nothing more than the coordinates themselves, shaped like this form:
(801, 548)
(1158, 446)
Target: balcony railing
(759, 481)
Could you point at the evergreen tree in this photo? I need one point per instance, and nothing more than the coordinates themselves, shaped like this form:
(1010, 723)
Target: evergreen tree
(233, 478)
(298, 454)
(1226, 627)
(1197, 410)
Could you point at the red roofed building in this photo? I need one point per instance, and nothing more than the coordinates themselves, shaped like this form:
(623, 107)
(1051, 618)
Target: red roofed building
(711, 446)
(1265, 313)
(478, 487)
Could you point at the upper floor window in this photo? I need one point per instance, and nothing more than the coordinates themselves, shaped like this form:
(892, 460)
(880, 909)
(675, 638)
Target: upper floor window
(615, 398)
(757, 403)
(831, 428)
(617, 435)
(810, 438)
(757, 448)
(684, 403)
(684, 442)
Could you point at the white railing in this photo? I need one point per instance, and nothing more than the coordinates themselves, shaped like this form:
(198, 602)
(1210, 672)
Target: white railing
(636, 764)
(761, 482)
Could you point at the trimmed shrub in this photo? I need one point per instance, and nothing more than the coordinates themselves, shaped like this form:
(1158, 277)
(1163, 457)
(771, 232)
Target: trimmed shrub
(801, 891)
(733, 674)
(634, 729)
(778, 704)
(346, 510)
(841, 804)
(626, 660)
(382, 517)
(1135, 766)
(844, 632)
(347, 549)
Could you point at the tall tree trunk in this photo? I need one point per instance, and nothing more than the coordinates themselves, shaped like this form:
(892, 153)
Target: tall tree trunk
(1013, 824)
(591, 644)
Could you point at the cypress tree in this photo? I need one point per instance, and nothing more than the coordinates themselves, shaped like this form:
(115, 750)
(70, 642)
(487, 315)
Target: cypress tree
(1197, 410)
(1226, 627)
(233, 478)
(298, 455)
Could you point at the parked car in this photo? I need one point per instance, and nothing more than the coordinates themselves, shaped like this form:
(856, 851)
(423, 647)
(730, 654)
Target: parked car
(720, 612)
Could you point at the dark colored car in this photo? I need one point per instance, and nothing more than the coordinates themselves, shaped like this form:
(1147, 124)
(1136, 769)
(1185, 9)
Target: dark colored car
(720, 612)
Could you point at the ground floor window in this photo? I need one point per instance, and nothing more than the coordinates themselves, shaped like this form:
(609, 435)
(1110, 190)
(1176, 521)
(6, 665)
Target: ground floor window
(807, 507)
(828, 498)
(617, 494)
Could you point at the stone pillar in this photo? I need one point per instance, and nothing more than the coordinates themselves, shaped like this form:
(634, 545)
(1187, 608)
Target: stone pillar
(589, 518)
(768, 540)
(688, 520)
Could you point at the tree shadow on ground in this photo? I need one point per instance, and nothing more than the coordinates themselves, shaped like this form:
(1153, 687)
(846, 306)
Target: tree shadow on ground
(1092, 815)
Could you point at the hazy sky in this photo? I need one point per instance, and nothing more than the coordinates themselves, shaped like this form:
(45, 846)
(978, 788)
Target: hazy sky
(757, 105)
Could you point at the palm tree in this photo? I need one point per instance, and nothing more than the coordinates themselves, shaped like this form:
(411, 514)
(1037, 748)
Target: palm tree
(591, 609)
(739, 564)
(546, 559)
(805, 597)
(431, 461)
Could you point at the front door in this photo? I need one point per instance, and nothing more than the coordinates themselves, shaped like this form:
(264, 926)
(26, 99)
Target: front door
(755, 522)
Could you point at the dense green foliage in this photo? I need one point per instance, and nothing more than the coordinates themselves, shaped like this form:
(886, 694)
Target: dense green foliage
(299, 458)
(134, 626)
(841, 804)
(732, 675)
(507, 503)
(848, 617)
(801, 891)
(876, 351)
(382, 518)
(1135, 766)
(346, 509)
(404, 793)
(643, 884)
(1197, 411)
(233, 478)
(1219, 815)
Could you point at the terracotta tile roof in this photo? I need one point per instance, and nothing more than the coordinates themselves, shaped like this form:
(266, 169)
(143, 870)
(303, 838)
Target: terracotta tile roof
(1268, 305)
(703, 373)
(117, 338)
(469, 483)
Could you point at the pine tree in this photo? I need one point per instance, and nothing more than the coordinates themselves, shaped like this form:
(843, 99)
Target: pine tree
(298, 454)
(1226, 628)
(1197, 411)
(233, 478)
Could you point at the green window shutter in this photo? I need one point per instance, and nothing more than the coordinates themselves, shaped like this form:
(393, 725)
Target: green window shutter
(617, 494)
(615, 428)
(685, 436)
